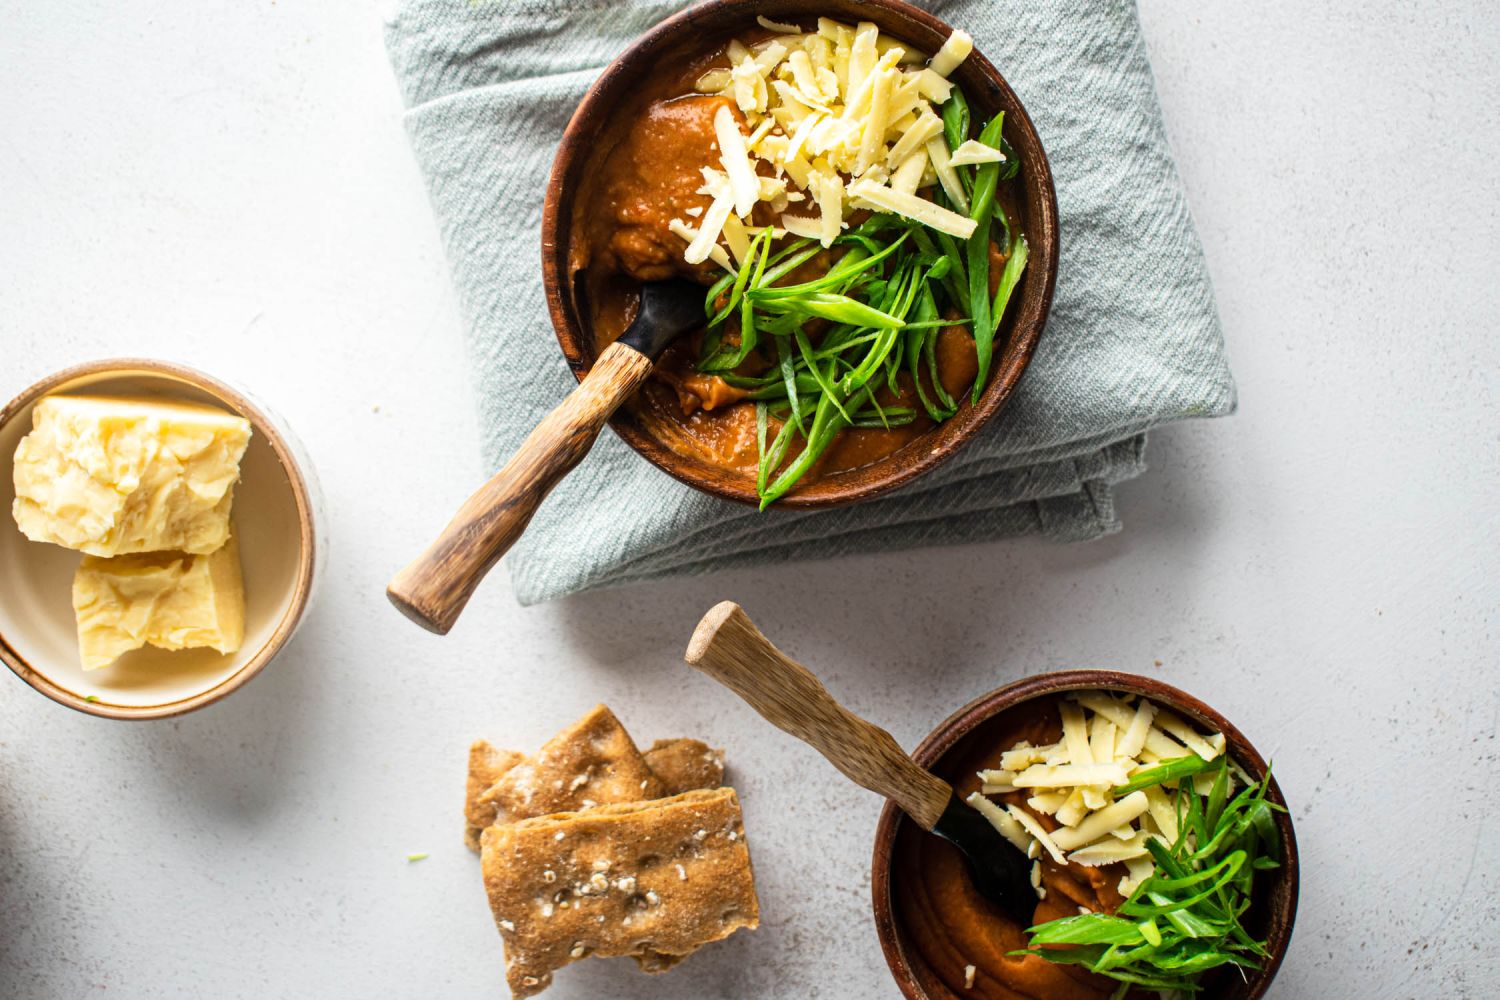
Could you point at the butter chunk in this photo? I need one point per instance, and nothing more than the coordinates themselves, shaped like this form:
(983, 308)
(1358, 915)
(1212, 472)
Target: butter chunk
(172, 600)
(111, 476)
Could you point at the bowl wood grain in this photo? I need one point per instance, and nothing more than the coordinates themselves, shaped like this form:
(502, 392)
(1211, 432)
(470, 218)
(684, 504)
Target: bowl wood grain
(911, 949)
(689, 35)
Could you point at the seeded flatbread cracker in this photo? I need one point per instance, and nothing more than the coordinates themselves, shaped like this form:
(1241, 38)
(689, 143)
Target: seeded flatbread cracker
(486, 766)
(654, 878)
(680, 765)
(591, 763)
(683, 765)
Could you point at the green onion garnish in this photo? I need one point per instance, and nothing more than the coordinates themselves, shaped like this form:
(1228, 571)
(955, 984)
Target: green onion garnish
(892, 287)
(1186, 918)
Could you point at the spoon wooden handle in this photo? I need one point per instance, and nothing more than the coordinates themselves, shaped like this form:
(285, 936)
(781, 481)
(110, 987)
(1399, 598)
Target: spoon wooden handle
(729, 648)
(434, 588)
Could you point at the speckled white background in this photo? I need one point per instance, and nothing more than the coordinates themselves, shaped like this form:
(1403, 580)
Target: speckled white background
(228, 184)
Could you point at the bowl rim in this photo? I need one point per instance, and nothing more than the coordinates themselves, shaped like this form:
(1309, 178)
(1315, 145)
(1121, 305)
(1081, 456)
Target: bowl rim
(1031, 310)
(307, 536)
(951, 730)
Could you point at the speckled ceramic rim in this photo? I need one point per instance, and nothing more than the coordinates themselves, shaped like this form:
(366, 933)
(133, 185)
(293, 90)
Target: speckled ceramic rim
(958, 725)
(987, 88)
(306, 527)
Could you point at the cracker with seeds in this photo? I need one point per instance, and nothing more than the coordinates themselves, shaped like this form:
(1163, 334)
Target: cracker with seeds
(683, 765)
(680, 765)
(591, 763)
(487, 764)
(656, 878)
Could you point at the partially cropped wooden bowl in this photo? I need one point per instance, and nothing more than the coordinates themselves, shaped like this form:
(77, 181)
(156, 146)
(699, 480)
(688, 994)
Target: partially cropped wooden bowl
(925, 964)
(275, 517)
(691, 34)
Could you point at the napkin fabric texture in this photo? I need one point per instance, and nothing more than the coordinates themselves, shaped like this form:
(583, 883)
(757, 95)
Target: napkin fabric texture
(1133, 340)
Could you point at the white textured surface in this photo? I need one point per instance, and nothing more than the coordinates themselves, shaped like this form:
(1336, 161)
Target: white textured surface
(227, 184)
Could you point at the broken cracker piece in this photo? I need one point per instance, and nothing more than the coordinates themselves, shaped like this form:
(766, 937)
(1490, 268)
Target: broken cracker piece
(591, 763)
(666, 876)
(486, 766)
(684, 764)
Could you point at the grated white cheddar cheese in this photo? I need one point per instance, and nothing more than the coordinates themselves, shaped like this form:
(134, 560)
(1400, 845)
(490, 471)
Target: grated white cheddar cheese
(798, 225)
(1102, 821)
(1038, 833)
(739, 242)
(768, 54)
(973, 151)
(1134, 739)
(828, 189)
(1101, 738)
(714, 81)
(1073, 810)
(1075, 734)
(1105, 739)
(908, 176)
(1172, 724)
(923, 129)
(1047, 803)
(777, 26)
(1001, 820)
(749, 86)
(1070, 775)
(935, 88)
(912, 207)
(692, 234)
(942, 165)
(735, 157)
(954, 51)
(1140, 868)
(826, 112)
(862, 56)
(1024, 755)
(1108, 852)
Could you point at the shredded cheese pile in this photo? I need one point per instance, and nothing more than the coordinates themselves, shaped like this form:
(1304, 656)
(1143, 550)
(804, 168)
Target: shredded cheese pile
(1106, 740)
(845, 117)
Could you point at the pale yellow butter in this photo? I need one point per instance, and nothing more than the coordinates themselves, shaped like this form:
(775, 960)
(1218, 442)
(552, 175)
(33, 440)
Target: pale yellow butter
(112, 476)
(174, 600)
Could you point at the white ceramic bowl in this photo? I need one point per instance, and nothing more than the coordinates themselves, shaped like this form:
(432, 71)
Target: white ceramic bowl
(275, 517)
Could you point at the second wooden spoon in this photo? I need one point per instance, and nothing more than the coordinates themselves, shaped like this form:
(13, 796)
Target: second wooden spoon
(729, 648)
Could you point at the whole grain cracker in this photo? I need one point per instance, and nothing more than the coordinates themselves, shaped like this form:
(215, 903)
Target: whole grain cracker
(684, 764)
(654, 878)
(591, 763)
(487, 764)
(680, 765)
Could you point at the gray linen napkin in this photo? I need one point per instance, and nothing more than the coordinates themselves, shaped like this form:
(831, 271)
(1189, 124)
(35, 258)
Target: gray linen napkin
(1133, 340)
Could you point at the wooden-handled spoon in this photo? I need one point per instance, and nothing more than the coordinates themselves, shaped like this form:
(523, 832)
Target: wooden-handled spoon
(729, 648)
(434, 588)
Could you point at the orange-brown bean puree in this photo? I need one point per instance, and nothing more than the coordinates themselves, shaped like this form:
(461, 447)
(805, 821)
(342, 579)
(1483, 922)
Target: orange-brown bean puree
(649, 175)
(951, 926)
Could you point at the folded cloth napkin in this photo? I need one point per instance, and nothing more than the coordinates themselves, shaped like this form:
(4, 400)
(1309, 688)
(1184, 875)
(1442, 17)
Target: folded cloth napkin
(1133, 340)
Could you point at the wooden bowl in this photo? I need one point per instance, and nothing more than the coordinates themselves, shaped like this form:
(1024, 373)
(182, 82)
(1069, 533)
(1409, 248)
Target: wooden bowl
(687, 36)
(274, 517)
(915, 955)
